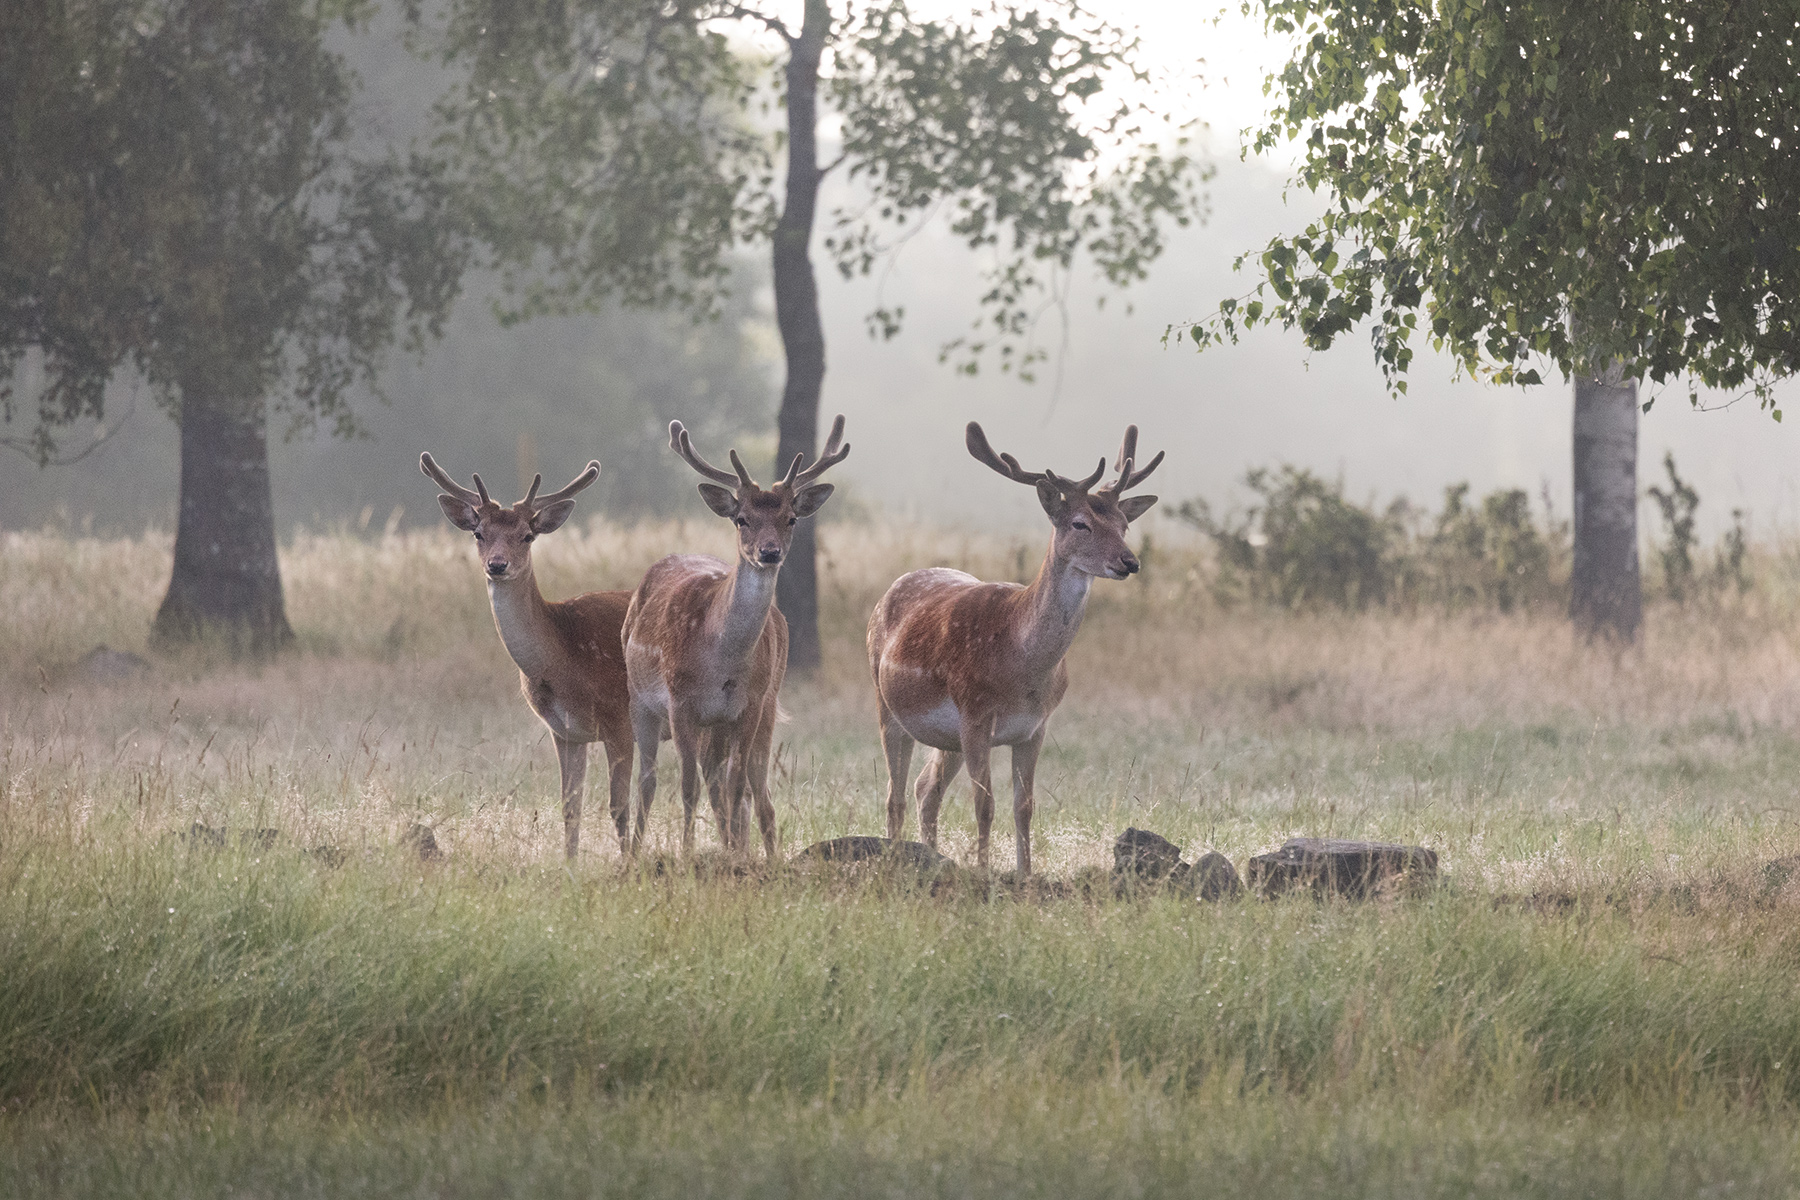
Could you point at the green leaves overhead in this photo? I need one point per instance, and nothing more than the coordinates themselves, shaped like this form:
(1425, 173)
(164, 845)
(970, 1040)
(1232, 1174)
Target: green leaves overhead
(1499, 171)
(1003, 122)
(179, 191)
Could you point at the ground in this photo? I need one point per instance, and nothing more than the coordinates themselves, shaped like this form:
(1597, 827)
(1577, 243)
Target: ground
(1600, 999)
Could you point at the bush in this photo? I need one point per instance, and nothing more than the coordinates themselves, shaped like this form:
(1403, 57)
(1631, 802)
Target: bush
(1302, 544)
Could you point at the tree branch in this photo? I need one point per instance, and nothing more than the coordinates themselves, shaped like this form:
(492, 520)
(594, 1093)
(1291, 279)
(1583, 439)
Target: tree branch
(775, 24)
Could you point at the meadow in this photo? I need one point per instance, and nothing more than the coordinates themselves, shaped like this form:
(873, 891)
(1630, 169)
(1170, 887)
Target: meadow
(1601, 997)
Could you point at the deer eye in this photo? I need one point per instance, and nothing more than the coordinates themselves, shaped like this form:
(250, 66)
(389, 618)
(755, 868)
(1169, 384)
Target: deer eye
(793, 520)
(478, 537)
(1081, 525)
(529, 538)
(739, 522)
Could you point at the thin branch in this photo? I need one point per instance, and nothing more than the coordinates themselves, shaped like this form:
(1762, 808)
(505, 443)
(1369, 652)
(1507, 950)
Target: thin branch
(30, 449)
(740, 13)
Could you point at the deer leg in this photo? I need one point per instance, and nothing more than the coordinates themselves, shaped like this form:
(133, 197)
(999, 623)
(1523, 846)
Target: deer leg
(1024, 772)
(687, 739)
(572, 758)
(618, 770)
(977, 747)
(647, 728)
(897, 745)
(940, 768)
(755, 774)
(715, 746)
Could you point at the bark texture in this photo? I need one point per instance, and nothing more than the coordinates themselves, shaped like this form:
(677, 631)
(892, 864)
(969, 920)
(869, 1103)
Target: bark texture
(226, 585)
(802, 332)
(1605, 595)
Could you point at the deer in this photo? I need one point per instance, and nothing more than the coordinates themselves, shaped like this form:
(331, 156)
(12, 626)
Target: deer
(964, 666)
(706, 648)
(570, 660)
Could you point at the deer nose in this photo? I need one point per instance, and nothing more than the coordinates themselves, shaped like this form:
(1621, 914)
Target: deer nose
(496, 569)
(769, 555)
(1129, 563)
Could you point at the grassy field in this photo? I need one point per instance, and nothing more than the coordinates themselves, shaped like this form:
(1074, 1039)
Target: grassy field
(177, 1019)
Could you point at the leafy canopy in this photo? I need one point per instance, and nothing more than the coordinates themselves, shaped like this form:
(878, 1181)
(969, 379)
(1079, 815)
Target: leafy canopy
(1511, 172)
(1002, 120)
(180, 191)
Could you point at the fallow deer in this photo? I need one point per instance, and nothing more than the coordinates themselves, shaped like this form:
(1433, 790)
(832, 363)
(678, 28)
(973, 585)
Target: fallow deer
(706, 648)
(964, 666)
(571, 666)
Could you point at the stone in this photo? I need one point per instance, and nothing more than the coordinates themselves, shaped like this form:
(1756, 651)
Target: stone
(1332, 866)
(103, 664)
(1777, 872)
(863, 848)
(1145, 855)
(1209, 877)
(421, 836)
(202, 834)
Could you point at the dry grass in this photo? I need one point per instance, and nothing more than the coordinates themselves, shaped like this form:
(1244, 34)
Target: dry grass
(1468, 1034)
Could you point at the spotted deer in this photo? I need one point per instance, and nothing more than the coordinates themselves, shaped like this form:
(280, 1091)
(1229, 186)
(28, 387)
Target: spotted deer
(964, 666)
(706, 648)
(571, 666)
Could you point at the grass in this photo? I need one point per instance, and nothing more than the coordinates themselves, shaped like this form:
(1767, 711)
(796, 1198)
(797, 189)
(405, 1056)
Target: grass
(1598, 1001)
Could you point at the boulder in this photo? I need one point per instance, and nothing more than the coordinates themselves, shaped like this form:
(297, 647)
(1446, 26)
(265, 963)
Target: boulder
(424, 840)
(864, 849)
(1145, 855)
(1337, 867)
(1209, 877)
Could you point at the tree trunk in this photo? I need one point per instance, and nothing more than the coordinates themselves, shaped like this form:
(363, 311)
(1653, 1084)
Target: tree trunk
(1605, 598)
(226, 585)
(802, 333)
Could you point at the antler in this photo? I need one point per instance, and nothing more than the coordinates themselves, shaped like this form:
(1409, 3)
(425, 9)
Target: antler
(1006, 464)
(682, 444)
(1129, 478)
(836, 450)
(531, 503)
(1009, 466)
(475, 499)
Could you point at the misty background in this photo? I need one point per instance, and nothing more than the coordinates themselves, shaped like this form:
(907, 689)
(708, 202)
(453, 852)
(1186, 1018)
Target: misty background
(551, 393)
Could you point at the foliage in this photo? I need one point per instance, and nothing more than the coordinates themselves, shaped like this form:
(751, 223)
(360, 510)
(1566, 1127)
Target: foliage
(1682, 581)
(181, 192)
(1540, 182)
(597, 150)
(1302, 544)
(1003, 119)
(1677, 505)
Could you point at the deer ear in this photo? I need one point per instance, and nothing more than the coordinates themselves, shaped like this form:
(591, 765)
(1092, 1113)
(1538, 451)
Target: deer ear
(460, 514)
(811, 499)
(550, 518)
(721, 500)
(1136, 506)
(1052, 498)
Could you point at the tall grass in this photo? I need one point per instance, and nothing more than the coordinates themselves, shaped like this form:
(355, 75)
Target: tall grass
(1599, 1000)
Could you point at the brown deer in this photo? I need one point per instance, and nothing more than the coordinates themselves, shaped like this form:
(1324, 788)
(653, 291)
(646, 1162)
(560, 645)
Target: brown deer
(706, 648)
(571, 667)
(965, 666)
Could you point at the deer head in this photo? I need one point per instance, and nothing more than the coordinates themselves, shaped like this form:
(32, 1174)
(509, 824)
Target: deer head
(503, 536)
(1090, 525)
(765, 520)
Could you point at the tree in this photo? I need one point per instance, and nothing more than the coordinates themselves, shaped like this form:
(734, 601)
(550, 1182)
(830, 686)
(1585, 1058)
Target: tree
(1609, 190)
(184, 192)
(1004, 120)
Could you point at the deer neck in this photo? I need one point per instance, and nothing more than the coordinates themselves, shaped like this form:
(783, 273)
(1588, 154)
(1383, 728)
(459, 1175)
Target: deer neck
(1053, 607)
(523, 619)
(741, 609)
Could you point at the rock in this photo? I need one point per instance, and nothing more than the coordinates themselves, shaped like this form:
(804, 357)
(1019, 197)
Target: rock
(1144, 855)
(326, 853)
(259, 839)
(426, 841)
(202, 834)
(1210, 877)
(103, 664)
(864, 849)
(1334, 866)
